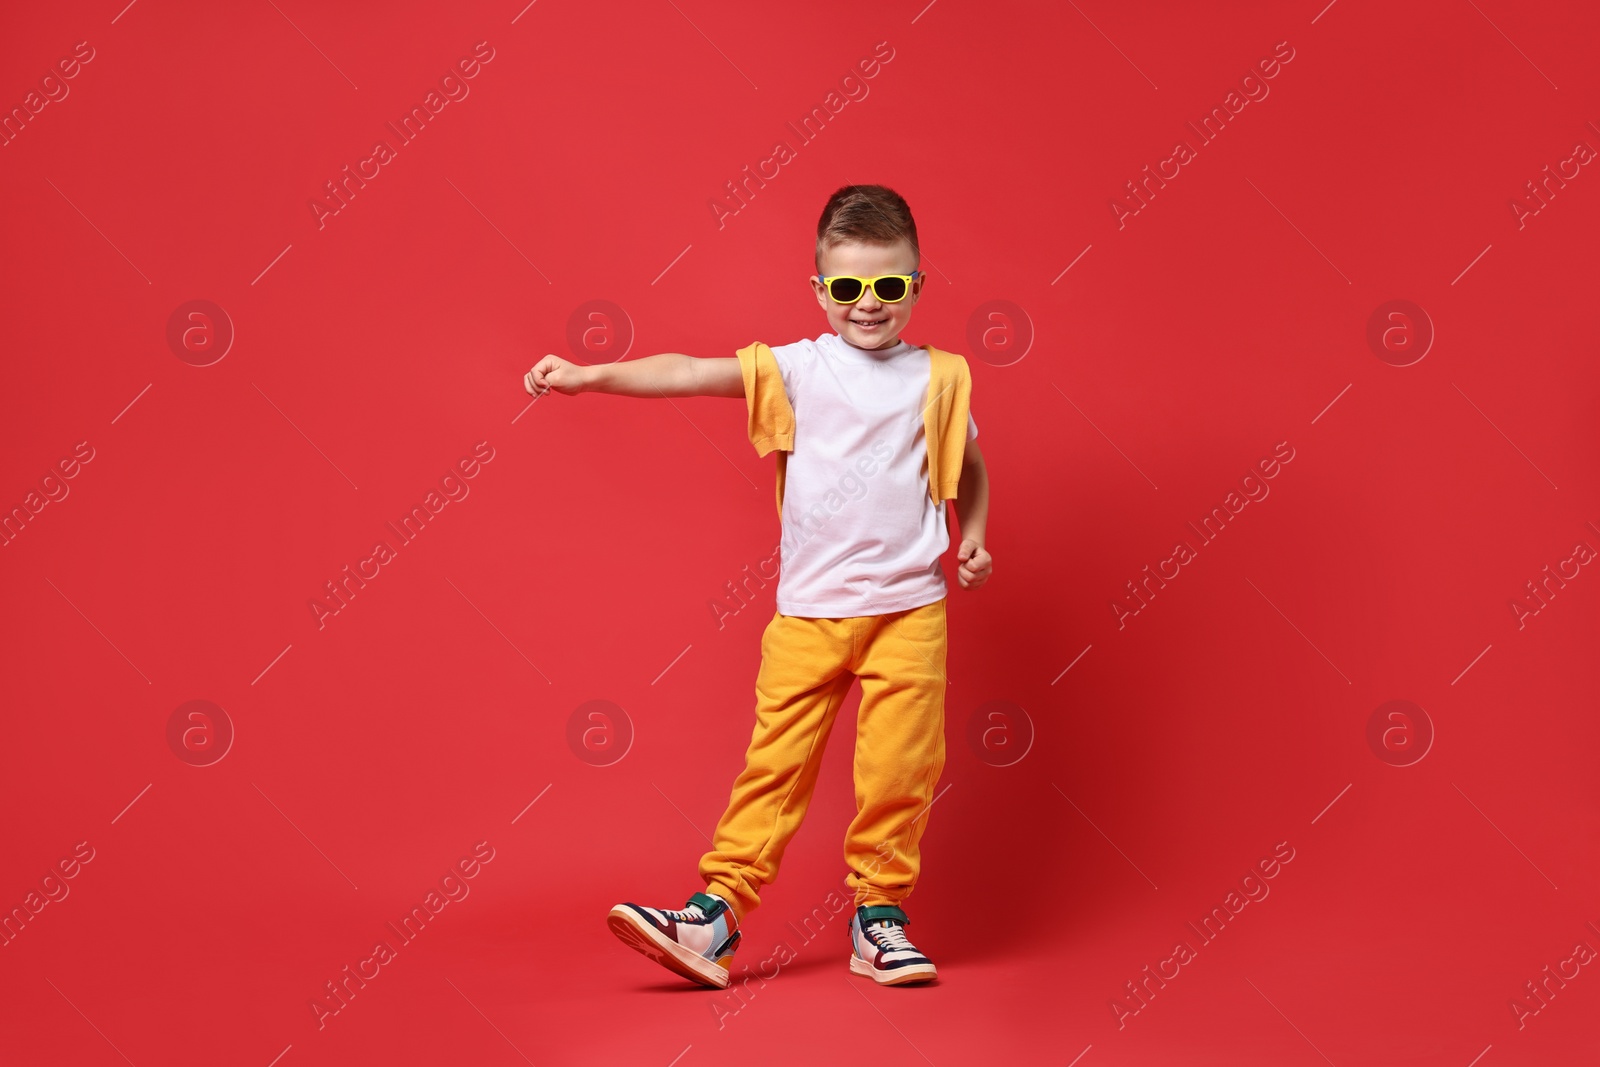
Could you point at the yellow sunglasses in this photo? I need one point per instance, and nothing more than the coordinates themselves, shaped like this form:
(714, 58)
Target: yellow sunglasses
(888, 288)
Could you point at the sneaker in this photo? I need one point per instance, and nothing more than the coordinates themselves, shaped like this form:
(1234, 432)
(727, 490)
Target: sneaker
(696, 942)
(881, 950)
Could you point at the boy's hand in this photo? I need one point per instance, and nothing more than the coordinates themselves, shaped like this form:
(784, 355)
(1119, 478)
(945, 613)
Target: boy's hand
(976, 564)
(553, 372)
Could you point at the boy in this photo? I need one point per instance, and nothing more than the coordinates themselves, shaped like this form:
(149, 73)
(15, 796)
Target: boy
(872, 436)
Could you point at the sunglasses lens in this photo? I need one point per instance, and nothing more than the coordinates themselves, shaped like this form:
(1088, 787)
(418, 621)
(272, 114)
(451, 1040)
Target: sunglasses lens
(890, 290)
(845, 290)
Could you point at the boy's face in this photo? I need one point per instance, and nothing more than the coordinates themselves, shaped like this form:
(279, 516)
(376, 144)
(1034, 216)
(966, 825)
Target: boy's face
(869, 322)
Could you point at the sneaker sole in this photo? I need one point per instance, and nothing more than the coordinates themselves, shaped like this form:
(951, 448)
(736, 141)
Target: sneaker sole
(643, 938)
(917, 972)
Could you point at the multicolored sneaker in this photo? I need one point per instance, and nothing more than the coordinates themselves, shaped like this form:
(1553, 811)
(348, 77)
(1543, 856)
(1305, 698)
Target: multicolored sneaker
(696, 942)
(877, 931)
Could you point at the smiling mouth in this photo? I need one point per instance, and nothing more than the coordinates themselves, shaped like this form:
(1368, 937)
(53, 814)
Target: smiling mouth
(868, 323)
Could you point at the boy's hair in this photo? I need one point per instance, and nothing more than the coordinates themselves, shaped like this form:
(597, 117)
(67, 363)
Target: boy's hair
(874, 214)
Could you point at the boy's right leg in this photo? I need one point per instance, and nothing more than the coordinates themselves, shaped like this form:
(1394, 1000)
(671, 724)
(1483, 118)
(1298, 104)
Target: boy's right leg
(802, 683)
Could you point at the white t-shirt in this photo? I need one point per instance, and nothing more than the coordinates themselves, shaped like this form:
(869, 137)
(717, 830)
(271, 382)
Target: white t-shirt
(861, 534)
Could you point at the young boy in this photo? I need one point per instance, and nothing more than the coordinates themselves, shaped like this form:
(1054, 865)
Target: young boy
(872, 436)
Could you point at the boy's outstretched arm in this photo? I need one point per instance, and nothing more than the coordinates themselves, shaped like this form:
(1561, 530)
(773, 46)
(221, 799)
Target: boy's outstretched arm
(664, 375)
(972, 512)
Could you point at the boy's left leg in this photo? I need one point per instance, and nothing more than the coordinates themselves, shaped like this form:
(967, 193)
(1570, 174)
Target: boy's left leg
(900, 749)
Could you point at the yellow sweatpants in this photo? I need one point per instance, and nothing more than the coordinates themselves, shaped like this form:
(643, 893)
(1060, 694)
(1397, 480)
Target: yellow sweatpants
(807, 667)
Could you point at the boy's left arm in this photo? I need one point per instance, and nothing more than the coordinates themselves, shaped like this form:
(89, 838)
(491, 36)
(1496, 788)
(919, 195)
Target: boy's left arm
(972, 512)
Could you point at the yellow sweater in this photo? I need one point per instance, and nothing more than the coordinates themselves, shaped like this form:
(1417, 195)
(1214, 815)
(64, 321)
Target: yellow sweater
(944, 417)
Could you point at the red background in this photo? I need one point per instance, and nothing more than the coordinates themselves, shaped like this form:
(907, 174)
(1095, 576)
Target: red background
(372, 353)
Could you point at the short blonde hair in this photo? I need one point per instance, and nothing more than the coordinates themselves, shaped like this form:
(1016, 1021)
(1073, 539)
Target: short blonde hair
(874, 214)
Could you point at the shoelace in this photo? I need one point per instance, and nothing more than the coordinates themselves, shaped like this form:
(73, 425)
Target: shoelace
(890, 935)
(691, 914)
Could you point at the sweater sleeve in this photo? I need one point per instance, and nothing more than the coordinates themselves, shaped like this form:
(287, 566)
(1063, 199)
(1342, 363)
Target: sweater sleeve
(771, 422)
(947, 419)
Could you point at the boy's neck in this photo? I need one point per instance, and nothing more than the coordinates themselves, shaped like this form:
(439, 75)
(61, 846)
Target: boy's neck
(883, 348)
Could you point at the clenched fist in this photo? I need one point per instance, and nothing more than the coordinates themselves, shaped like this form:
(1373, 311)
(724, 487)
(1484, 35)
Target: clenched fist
(553, 372)
(975, 564)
